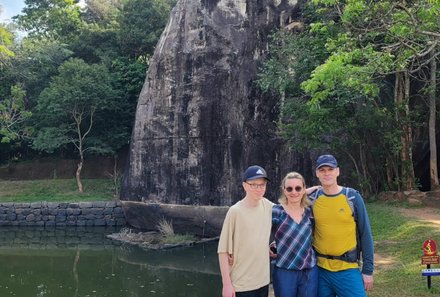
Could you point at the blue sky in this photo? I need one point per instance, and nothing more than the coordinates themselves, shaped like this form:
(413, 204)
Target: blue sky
(10, 8)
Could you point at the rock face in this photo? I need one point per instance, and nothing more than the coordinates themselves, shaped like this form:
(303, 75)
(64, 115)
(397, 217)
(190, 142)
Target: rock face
(201, 120)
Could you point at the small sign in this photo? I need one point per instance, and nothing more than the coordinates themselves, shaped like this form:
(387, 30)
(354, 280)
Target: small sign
(430, 272)
(430, 257)
(429, 247)
(430, 260)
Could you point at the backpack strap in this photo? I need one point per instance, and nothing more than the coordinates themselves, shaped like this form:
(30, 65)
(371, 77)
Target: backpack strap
(350, 194)
(314, 195)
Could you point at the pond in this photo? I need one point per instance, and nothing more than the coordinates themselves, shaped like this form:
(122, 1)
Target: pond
(83, 262)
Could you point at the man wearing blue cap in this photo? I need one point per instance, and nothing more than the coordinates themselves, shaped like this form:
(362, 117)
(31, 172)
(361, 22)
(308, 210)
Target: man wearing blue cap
(245, 238)
(342, 235)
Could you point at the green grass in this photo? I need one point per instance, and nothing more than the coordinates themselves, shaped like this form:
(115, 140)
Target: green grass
(179, 239)
(398, 240)
(56, 190)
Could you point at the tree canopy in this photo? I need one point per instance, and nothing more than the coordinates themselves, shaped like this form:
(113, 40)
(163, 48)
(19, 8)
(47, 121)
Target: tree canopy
(347, 84)
(69, 85)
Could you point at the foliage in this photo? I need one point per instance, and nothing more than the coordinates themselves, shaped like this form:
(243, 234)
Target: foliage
(103, 12)
(165, 227)
(335, 81)
(5, 43)
(67, 109)
(292, 58)
(12, 115)
(141, 23)
(179, 239)
(55, 190)
(54, 19)
(59, 30)
(153, 240)
(380, 37)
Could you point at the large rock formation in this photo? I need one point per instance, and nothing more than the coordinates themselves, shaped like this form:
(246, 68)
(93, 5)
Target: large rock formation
(201, 119)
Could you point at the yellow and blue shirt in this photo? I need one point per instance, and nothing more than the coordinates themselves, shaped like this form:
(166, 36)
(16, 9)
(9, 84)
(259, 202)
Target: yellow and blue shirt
(338, 228)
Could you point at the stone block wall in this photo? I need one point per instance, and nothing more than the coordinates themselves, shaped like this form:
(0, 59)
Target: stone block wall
(54, 214)
(40, 238)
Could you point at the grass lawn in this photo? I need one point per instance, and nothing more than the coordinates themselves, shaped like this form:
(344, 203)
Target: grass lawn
(398, 243)
(56, 190)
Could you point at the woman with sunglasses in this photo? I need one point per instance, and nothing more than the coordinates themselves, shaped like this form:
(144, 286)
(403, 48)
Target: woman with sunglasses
(295, 273)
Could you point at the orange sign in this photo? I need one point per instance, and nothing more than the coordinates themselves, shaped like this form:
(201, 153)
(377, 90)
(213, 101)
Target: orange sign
(429, 247)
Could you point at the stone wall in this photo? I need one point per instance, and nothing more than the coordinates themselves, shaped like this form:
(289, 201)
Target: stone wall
(54, 214)
(40, 238)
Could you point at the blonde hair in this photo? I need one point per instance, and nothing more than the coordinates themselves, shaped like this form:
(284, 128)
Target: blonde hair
(305, 201)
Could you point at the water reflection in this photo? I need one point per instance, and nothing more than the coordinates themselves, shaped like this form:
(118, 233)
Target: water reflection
(83, 262)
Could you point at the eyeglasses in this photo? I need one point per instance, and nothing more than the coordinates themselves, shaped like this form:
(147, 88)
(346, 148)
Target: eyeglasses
(297, 189)
(256, 186)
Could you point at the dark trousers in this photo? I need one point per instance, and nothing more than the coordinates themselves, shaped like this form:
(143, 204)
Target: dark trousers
(295, 283)
(261, 292)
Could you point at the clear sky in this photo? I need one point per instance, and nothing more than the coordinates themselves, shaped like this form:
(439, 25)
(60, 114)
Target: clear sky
(10, 8)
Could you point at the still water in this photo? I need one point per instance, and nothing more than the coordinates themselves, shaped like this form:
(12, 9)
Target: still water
(84, 263)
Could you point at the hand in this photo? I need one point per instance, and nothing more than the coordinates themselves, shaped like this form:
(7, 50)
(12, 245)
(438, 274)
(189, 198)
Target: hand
(228, 291)
(368, 281)
(273, 250)
(230, 259)
(312, 189)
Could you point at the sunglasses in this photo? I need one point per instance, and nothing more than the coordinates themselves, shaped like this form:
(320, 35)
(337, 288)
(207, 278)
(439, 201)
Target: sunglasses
(297, 189)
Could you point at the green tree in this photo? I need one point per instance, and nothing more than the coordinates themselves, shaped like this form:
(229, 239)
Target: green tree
(55, 19)
(141, 24)
(68, 109)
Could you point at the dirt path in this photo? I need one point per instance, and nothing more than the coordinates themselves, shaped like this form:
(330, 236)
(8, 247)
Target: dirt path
(429, 215)
(425, 214)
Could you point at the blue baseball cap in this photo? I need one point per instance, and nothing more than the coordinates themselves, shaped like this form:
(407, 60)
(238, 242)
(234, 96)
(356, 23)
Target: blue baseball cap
(254, 172)
(326, 160)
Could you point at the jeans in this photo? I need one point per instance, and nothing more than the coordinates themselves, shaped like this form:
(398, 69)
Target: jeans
(345, 283)
(295, 283)
(261, 292)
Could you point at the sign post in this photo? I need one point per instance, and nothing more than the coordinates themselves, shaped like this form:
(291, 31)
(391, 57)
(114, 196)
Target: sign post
(430, 257)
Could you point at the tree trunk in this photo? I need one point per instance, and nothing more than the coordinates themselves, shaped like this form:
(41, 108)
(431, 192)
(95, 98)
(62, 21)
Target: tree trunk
(401, 97)
(432, 129)
(78, 175)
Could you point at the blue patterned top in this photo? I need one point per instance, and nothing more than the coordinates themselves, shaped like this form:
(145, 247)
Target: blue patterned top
(294, 241)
